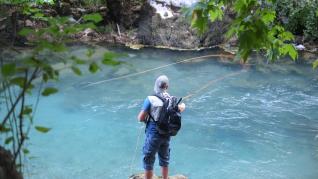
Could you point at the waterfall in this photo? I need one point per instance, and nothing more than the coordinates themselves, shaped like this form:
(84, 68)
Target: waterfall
(163, 6)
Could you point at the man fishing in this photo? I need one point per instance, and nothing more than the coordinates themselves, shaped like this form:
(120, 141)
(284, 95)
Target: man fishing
(155, 141)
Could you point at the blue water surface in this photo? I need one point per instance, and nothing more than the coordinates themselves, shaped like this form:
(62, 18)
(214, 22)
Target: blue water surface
(260, 122)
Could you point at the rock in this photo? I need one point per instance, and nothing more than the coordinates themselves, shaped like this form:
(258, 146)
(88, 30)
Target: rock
(29, 23)
(125, 12)
(153, 30)
(300, 47)
(142, 176)
(6, 171)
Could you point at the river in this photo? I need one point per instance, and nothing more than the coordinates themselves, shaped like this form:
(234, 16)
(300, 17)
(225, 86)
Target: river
(240, 122)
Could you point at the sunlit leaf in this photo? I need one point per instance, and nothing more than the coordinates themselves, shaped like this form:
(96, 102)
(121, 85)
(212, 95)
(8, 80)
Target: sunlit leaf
(96, 17)
(293, 53)
(198, 21)
(48, 91)
(109, 59)
(216, 14)
(315, 64)
(269, 16)
(42, 129)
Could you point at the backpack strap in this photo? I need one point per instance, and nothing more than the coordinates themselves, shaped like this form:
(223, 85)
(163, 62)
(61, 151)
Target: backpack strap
(160, 97)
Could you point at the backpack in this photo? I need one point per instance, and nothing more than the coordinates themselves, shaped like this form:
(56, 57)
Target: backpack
(169, 120)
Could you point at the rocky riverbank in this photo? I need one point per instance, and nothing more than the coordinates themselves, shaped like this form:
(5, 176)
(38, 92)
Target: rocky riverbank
(134, 23)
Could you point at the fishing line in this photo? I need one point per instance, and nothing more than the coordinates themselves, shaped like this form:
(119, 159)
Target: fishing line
(156, 68)
(137, 144)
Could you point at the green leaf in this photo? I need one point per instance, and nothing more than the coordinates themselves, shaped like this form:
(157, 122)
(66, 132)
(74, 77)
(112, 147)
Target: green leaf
(45, 77)
(95, 17)
(198, 21)
(8, 140)
(93, 67)
(8, 69)
(216, 14)
(290, 50)
(269, 16)
(109, 59)
(42, 129)
(48, 91)
(78, 60)
(25, 31)
(4, 129)
(19, 81)
(90, 52)
(76, 70)
(25, 151)
(293, 53)
(27, 110)
(315, 64)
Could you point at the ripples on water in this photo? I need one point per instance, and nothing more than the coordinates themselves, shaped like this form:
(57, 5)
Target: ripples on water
(261, 123)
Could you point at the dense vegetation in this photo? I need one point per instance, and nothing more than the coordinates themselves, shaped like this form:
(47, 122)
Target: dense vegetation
(36, 68)
(299, 17)
(259, 26)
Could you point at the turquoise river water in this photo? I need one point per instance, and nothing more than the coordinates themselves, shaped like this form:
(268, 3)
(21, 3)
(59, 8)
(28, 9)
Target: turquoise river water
(259, 122)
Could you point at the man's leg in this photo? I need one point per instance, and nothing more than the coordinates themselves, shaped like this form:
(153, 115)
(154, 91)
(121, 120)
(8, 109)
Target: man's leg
(148, 174)
(164, 156)
(165, 172)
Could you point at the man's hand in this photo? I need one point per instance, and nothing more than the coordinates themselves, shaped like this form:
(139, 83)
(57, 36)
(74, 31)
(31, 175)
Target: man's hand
(181, 107)
(142, 116)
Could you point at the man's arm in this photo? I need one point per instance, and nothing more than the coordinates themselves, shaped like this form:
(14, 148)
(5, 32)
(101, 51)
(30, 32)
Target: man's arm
(142, 116)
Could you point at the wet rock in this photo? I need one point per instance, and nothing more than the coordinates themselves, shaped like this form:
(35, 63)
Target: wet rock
(300, 47)
(142, 176)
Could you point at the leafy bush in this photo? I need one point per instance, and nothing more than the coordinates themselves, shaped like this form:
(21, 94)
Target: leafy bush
(299, 17)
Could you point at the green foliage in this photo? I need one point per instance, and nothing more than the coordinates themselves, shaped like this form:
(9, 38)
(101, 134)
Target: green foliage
(42, 129)
(299, 17)
(315, 64)
(254, 26)
(48, 91)
(95, 3)
(109, 59)
(18, 79)
(8, 69)
(93, 17)
(93, 67)
(8, 140)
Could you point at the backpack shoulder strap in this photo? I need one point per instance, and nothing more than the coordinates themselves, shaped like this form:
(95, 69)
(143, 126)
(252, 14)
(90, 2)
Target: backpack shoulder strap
(160, 97)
